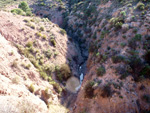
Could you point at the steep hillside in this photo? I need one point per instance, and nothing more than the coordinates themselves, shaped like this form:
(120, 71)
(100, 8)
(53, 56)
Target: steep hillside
(106, 42)
(117, 33)
(37, 58)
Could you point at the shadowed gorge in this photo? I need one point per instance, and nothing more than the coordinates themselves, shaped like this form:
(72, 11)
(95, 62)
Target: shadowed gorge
(75, 56)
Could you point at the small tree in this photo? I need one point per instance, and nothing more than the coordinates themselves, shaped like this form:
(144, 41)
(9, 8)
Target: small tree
(24, 6)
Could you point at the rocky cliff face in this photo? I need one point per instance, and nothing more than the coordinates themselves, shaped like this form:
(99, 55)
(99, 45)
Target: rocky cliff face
(117, 77)
(108, 41)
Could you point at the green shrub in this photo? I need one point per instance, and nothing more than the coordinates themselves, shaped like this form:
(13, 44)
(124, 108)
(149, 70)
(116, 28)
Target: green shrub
(31, 88)
(18, 11)
(123, 13)
(28, 13)
(41, 61)
(117, 22)
(29, 44)
(103, 33)
(24, 6)
(118, 25)
(137, 37)
(44, 37)
(57, 87)
(49, 68)
(26, 20)
(43, 75)
(26, 66)
(35, 62)
(145, 71)
(42, 28)
(123, 44)
(101, 71)
(38, 34)
(53, 42)
(62, 31)
(140, 6)
(30, 25)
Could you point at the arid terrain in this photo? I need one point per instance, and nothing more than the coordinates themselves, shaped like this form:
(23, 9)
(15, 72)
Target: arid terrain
(74, 56)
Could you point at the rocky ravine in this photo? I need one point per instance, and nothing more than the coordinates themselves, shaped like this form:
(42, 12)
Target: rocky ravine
(117, 76)
(116, 35)
(23, 86)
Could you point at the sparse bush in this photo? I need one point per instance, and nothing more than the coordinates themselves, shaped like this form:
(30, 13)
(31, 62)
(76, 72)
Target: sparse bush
(57, 87)
(147, 57)
(146, 98)
(43, 75)
(103, 33)
(26, 20)
(31, 88)
(92, 47)
(140, 6)
(41, 61)
(89, 90)
(38, 34)
(16, 80)
(42, 28)
(138, 37)
(118, 59)
(62, 31)
(48, 53)
(123, 44)
(26, 66)
(53, 42)
(123, 13)
(101, 71)
(34, 62)
(118, 25)
(135, 30)
(117, 22)
(44, 37)
(30, 25)
(28, 13)
(47, 94)
(107, 91)
(29, 44)
(63, 72)
(49, 68)
(14, 64)
(142, 87)
(132, 43)
(136, 65)
(145, 71)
